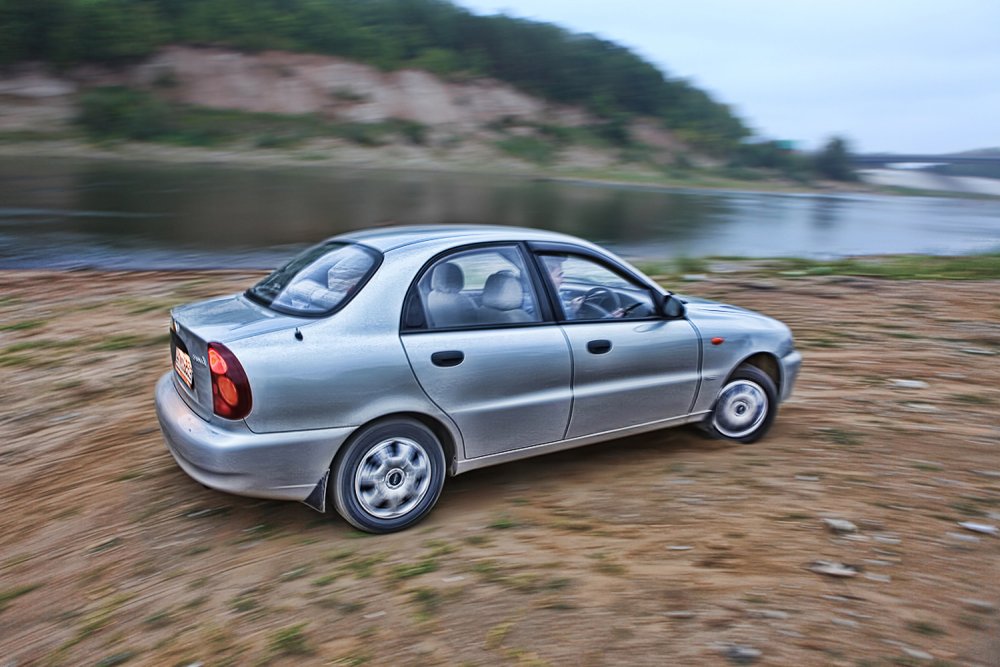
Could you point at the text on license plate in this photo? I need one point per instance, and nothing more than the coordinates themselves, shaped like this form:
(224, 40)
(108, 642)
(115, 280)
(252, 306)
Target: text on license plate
(182, 364)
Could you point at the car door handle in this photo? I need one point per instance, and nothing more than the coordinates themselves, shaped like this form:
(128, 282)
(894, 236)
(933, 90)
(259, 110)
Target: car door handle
(447, 358)
(599, 346)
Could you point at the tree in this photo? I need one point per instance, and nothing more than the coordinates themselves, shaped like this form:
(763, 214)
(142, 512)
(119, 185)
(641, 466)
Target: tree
(834, 161)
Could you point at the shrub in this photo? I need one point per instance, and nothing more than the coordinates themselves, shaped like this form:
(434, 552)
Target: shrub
(122, 113)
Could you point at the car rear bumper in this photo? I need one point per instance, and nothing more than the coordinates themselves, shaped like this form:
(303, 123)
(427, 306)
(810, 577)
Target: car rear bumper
(790, 364)
(231, 458)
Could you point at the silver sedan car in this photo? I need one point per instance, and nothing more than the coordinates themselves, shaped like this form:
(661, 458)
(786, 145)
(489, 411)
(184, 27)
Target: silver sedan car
(373, 365)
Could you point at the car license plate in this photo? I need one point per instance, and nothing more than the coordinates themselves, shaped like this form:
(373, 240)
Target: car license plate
(182, 364)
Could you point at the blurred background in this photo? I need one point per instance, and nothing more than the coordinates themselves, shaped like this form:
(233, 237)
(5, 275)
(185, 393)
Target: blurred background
(229, 133)
(769, 154)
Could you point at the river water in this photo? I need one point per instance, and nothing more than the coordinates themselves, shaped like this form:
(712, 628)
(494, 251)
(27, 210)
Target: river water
(110, 214)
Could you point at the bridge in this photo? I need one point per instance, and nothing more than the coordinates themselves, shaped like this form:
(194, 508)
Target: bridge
(883, 159)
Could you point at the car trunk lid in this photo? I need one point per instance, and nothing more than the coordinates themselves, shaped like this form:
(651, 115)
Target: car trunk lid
(221, 320)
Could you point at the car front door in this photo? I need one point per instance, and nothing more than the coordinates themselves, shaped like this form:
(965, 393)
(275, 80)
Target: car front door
(630, 365)
(485, 350)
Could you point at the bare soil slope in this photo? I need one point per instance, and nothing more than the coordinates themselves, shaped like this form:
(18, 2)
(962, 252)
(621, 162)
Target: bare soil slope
(662, 549)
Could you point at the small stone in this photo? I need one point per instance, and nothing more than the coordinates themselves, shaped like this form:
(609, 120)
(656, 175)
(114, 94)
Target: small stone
(909, 384)
(917, 654)
(962, 537)
(978, 350)
(847, 623)
(807, 478)
(983, 528)
(882, 578)
(374, 614)
(451, 580)
(679, 547)
(920, 407)
(694, 277)
(833, 569)
(768, 613)
(840, 525)
(886, 539)
(988, 473)
(982, 606)
(742, 655)
(684, 613)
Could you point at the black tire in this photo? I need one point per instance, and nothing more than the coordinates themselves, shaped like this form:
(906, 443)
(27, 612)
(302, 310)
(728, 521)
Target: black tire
(735, 413)
(388, 476)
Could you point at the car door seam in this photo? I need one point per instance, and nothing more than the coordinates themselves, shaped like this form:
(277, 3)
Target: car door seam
(572, 380)
(416, 378)
(701, 365)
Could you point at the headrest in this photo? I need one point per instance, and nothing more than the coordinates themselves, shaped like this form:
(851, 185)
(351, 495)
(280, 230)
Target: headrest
(447, 277)
(502, 291)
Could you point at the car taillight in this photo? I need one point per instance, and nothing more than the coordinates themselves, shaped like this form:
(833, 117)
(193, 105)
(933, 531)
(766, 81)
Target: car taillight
(230, 387)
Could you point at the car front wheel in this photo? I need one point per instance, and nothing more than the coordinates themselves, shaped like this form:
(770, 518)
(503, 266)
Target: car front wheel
(746, 406)
(389, 476)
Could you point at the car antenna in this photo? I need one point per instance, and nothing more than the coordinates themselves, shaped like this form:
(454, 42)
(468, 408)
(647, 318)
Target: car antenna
(298, 334)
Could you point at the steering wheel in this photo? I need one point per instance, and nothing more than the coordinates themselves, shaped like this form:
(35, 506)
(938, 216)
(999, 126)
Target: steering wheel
(602, 301)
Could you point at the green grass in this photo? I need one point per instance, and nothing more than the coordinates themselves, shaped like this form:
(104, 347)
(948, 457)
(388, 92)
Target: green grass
(23, 325)
(410, 570)
(427, 601)
(116, 659)
(984, 266)
(841, 436)
(529, 149)
(117, 113)
(363, 568)
(13, 593)
(902, 267)
(973, 399)
(503, 523)
(290, 641)
(925, 628)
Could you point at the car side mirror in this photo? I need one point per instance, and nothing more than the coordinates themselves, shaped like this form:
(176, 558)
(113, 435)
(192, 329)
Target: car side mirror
(671, 307)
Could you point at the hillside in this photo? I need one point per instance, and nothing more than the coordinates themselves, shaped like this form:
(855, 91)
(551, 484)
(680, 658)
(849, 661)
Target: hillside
(319, 106)
(435, 36)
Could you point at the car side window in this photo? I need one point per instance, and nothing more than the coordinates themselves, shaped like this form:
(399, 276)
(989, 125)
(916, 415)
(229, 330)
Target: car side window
(589, 290)
(478, 287)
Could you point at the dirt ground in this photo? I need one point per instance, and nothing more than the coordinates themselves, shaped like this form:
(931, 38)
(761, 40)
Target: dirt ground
(662, 549)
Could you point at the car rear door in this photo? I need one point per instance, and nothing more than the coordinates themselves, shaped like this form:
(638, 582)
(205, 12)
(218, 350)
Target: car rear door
(500, 368)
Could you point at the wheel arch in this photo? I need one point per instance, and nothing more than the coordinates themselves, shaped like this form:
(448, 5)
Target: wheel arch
(766, 362)
(444, 435)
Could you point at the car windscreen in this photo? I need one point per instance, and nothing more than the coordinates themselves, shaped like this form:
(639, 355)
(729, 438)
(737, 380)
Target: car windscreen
(319, 281)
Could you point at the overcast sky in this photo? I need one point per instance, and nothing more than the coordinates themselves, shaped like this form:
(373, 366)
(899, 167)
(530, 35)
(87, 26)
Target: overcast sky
(890, 75)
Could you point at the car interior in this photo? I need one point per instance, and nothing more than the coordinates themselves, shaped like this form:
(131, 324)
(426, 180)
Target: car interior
(490, 286)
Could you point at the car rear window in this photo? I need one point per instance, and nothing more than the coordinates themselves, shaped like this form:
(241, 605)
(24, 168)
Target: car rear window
(319, 281)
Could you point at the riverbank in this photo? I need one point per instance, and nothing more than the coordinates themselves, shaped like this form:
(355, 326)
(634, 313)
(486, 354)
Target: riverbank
(578, 165)
(665, 547)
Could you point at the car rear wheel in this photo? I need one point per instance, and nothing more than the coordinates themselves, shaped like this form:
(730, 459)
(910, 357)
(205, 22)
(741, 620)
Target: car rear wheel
(746, 406)
(389, 476)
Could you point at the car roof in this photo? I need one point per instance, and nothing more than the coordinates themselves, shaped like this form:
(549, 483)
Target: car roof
(387, 239)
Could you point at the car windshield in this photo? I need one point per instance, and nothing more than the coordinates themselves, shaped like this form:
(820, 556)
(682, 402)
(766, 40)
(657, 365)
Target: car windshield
(318, 281)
